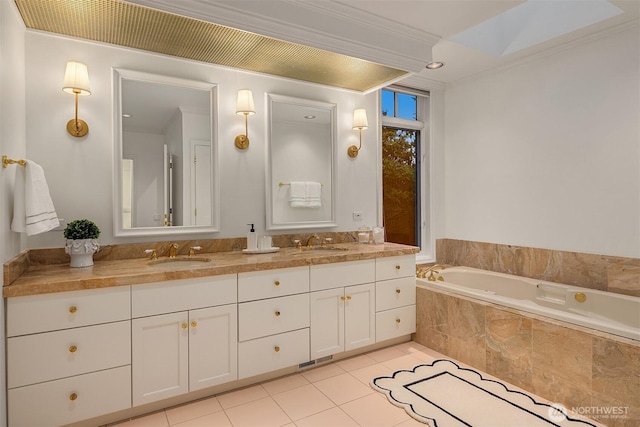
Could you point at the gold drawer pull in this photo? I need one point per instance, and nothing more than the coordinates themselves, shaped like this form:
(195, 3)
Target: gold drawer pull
(73, 396)
(277, 283)
(194, 323)
(73, 309)
(73, 349)
(276, 348)
(397, 320)
(397, 267)
(397, 291)
(277, 313)
(184, 325)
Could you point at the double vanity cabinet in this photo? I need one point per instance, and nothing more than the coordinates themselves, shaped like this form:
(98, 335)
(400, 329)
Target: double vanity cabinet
(81, 354)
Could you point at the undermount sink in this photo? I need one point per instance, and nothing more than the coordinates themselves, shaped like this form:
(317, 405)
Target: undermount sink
(179, 262)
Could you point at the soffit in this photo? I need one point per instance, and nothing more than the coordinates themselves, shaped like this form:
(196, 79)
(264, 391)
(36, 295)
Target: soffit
(139, 27)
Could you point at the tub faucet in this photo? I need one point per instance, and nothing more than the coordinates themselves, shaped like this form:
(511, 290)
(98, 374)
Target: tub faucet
(172, 250)
(422, 273)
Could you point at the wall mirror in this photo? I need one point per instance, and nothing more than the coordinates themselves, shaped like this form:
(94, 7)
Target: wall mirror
(300, 163)
(165, 174)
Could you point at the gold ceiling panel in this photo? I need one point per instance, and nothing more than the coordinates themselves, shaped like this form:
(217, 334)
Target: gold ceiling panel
(125, 24)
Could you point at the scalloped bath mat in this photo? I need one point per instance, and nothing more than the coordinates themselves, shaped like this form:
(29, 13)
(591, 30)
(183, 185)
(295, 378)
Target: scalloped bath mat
(442, 394)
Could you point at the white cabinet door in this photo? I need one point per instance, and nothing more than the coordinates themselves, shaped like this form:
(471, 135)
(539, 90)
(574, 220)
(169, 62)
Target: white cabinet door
(327, 322)
(160, 352)
(359, 316)
(213, 349)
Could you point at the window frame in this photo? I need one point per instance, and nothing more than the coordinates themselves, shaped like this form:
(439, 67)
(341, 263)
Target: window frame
(424, 168)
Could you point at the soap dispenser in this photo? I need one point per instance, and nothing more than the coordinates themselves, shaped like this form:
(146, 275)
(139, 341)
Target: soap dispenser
(252, 239)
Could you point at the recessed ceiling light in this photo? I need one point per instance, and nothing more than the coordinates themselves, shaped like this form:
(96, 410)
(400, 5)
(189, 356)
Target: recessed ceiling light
(435, 65)
(310, 117)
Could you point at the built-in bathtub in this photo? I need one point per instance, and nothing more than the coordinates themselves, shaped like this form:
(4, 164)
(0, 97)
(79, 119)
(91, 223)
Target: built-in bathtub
(604, 311)
(536, 335)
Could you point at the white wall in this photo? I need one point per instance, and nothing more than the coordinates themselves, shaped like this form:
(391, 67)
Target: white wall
(79, 171)
(547, 154)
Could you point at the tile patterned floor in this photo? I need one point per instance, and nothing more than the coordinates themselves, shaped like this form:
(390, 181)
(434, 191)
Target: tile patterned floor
(336, 395)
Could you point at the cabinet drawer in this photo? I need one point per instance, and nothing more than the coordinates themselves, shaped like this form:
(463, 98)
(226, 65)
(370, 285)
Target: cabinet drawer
(272, 283)
(52, 355)
(50, 404)
(395, 293)
(51, 312)
(395, 323)
(182, 295)
(328, 276)
(273, 352)
(272, 316)
(394, 267)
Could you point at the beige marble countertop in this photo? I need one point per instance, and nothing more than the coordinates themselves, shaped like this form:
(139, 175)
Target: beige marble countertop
(42, 279)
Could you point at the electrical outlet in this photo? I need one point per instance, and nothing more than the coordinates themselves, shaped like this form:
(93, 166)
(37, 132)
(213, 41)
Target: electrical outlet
(357, 216)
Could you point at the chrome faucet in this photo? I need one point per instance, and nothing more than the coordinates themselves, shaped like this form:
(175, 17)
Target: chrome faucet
(311, 238)
(172, 250)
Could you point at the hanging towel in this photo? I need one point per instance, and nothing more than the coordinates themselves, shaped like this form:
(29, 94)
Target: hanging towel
(314, 193)
(305, 194)
(298, 194)
(33, 210)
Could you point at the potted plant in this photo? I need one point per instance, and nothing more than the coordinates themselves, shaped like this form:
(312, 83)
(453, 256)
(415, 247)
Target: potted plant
(81, 244)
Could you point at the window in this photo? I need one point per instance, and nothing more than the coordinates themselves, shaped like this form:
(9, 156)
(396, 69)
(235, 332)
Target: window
(405, 141)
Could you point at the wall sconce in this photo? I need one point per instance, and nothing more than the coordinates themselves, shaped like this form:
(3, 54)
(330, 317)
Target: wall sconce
(76, 82)
(244, 105)
(359, 122)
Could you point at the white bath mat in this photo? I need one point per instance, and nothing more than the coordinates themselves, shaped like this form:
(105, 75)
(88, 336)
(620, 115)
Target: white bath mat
(442, 394)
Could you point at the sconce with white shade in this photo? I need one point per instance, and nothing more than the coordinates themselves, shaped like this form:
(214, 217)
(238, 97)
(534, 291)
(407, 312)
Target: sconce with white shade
(76, 82)
(244, 106)
(359, 122)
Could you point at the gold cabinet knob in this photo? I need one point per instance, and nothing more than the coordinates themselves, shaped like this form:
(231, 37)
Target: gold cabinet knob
(397, 291)
(73, 396)
(276, 283)
(397, 267)
(276, 348)
(73, 349)
(184, 325)
(348, 297)
(194, 323)
(277, 313)
(397, 320)
(73, 309)
(342, 298)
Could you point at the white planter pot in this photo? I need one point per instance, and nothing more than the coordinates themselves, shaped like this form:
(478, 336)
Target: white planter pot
(81, 251)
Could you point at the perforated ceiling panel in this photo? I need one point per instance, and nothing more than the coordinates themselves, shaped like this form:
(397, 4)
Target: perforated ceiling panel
(126, 24)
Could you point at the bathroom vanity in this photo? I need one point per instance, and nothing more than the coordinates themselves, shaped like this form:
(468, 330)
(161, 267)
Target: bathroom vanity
(85, 343)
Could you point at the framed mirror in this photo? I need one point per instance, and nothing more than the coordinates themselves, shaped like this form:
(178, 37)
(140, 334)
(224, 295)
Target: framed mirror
(166, 158)
(300, 163)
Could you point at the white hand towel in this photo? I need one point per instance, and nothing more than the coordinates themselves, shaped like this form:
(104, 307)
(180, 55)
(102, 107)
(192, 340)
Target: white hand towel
(297, 194)
(314, 193)
(33, 209)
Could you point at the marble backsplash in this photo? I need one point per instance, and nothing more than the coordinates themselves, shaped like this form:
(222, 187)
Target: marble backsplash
(607, 273)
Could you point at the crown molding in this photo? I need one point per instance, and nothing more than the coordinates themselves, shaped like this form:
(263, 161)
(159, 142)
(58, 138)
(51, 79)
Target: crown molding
(326, 25)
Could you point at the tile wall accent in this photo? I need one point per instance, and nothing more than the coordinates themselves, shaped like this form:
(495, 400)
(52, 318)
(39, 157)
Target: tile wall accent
(603, 272)
(564, 363)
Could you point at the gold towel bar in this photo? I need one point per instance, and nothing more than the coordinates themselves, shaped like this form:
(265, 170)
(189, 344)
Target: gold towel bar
(7, 161)
(281, 184)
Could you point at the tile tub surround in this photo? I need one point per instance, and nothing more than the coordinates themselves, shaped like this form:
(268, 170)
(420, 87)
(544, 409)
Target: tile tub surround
(568, 364)
(606, 273)
(35, 278)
